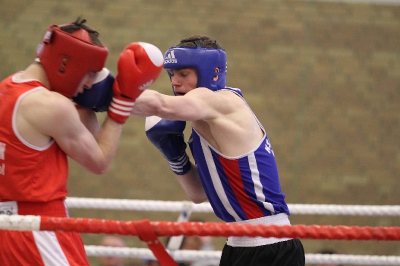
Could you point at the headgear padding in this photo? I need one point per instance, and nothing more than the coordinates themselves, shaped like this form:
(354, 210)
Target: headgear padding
(67, 58)
(204, 60)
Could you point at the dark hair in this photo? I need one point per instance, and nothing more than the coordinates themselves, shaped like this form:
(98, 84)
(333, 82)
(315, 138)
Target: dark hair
(199, 41)
(80, 24)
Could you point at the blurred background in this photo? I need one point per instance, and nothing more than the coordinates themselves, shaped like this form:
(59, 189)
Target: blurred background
(322, 76)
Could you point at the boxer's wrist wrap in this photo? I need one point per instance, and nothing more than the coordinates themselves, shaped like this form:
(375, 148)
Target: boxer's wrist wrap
(120, 110)
(181, 165)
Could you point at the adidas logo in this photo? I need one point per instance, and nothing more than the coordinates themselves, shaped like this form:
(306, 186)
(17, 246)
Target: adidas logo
(146, 85)
(170, 58)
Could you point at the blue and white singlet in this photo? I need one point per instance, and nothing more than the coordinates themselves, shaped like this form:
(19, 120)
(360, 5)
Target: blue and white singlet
(239, 188)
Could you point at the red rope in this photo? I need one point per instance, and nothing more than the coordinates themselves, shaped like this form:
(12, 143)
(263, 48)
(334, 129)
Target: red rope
(146, 233)
(97, 226)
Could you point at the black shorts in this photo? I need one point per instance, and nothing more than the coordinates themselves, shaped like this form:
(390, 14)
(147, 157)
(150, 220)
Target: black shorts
(286, 253)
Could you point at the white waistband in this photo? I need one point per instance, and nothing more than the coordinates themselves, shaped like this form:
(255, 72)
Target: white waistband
(279, 219)
(51, 208)
(9, 207)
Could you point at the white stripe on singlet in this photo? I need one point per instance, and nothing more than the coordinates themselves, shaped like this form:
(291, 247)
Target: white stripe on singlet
(258, 187)
(49, 248)
(216, 180)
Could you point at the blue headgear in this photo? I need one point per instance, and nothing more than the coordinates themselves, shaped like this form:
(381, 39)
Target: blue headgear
(204, 60)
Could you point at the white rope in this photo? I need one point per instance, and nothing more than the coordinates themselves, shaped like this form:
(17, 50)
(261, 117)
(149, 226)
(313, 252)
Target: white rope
(353, 210)
(20, 222)
(144, 253)
(178, 206)
(137, 205)
(214, 256)
(352, 259)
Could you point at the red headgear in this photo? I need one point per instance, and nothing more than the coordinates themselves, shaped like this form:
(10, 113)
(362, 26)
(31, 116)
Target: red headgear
(68, 57)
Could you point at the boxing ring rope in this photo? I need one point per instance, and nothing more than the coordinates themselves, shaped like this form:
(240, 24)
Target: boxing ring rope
(167, 228)
(214, 256)
(149, 231)
(186, 208)
(179, 206)
(145, 230)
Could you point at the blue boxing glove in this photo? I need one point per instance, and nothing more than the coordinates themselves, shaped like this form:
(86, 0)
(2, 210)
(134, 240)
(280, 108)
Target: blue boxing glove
(167, 137)
(99, 96)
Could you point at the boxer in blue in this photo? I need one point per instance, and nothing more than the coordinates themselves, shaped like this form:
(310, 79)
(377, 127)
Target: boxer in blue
(235, 167)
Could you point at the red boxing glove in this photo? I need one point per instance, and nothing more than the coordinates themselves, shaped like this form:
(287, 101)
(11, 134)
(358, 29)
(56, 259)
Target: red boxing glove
(139, 65)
